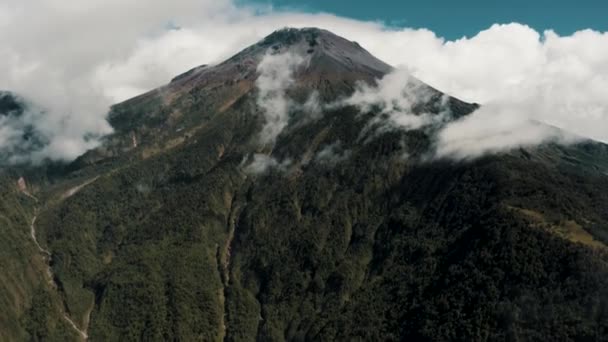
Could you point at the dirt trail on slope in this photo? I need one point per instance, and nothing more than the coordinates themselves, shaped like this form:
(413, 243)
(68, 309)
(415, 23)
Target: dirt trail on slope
(47, 256)
(72, 191)
(87, 319)
(26, 193)
(33, 234)
(83, 334)
(223, 262)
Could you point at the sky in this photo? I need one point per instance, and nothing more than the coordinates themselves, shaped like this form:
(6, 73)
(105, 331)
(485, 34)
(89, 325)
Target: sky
(456, 19)
(546, 63)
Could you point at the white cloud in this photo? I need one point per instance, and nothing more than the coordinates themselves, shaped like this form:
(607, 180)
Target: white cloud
(495, 128)
(275, 77)
(77, 58)
(396, 96)
(521, 77)
(53, 51)
(262, 163)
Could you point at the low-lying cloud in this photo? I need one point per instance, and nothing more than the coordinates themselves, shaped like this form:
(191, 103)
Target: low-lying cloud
(275, 77)
(496, 128)
(262, 163)
(397, 98)
(401, 101)
(75, 59)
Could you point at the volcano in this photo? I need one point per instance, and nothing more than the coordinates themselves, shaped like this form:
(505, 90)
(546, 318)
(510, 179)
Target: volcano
(187, 223)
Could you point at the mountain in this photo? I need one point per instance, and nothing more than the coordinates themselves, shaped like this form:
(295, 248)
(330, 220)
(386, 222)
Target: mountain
(186, 224)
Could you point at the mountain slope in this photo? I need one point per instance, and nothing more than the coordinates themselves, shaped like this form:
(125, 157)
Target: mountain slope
(185, 226)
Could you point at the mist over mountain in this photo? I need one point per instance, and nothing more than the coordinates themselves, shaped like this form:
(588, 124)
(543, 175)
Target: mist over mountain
(20, 140)
(523, 72)
(303, 189)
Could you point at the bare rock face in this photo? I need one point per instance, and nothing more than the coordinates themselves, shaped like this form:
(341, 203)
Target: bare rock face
(331, 60)
(329, 55)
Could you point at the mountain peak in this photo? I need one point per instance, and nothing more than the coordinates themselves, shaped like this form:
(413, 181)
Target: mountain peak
(332, 61)
(290, 36)
(311, 38)
(328, 51)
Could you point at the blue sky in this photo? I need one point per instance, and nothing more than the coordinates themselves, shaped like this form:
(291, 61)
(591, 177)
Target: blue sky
(454, 19)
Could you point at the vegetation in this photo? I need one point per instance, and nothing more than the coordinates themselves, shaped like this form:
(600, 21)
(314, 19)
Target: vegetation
(26, 309)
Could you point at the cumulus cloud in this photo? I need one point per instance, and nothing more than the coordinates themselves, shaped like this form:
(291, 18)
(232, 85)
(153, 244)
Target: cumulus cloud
(522, 78)
(75, 59)
(275, 77)
(401, 101)
(528, 83)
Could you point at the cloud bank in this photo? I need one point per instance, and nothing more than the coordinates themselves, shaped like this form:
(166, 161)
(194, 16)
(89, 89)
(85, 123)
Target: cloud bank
(76, 59)
(496, 128)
